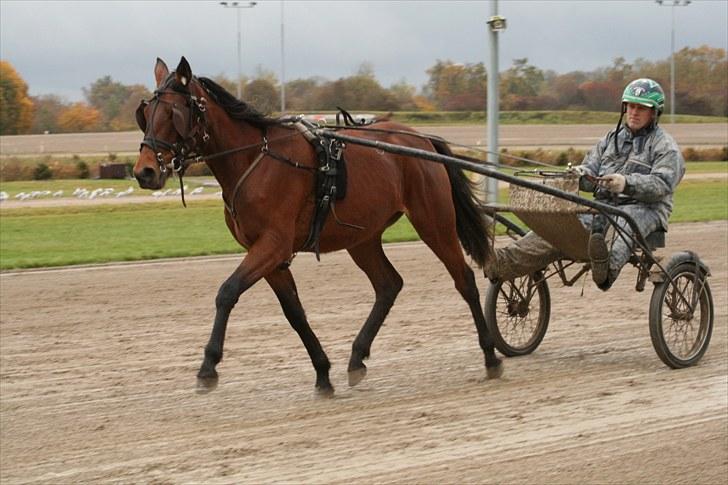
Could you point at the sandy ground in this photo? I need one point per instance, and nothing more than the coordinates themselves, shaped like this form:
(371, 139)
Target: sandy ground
(97, 374)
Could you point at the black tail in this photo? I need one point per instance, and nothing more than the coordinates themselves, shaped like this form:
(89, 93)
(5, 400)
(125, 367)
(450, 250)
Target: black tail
(473, 230)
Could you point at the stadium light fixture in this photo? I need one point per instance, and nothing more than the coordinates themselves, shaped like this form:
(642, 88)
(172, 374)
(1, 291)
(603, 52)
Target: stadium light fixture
(672, 4)
(238, 6)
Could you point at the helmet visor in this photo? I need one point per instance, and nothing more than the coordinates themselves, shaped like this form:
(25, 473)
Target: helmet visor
(637, 100)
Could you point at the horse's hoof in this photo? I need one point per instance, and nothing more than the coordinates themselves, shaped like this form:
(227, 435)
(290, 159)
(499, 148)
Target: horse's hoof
(326, 392)
(356, 376)
(494, 372)
(206, 384)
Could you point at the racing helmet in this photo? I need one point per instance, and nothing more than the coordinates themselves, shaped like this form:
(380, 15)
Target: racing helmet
(646, 92)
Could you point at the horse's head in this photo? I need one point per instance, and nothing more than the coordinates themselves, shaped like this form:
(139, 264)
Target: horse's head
(173, 122)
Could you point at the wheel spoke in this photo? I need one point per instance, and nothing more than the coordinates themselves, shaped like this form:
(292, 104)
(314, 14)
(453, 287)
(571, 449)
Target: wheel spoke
(682, 326)
(518, 329)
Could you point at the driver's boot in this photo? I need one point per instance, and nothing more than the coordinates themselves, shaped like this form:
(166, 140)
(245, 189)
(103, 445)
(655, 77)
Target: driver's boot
(599, 256)
(491, 267)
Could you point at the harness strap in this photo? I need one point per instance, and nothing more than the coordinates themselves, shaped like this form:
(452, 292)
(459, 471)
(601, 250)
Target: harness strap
(151, 142)
(204, 158)
(288, 161)
(231, 206)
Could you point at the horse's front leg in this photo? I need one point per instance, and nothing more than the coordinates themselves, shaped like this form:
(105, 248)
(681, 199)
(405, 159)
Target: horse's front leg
(262, 258)
(284, 287)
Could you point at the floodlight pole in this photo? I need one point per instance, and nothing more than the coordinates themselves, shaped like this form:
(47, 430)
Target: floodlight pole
(283, 67)
(237, 8)
(672, 5)
(496, 24)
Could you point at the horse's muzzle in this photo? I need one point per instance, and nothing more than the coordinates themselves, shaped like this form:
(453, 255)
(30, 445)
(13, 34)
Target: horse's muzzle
(148, 179)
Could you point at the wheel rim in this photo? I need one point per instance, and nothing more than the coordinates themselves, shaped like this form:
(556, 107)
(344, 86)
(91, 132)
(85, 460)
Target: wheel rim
(518, 312)
(684, 332)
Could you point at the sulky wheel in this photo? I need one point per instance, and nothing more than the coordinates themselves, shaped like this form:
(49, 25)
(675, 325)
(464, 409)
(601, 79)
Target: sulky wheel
(517, 313)
(681, 316)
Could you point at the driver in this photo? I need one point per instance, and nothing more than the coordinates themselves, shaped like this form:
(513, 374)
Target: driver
(635, 167)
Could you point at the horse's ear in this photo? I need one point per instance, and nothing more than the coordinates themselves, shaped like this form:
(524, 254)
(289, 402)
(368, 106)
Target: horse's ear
(184, 72)
(160, 71)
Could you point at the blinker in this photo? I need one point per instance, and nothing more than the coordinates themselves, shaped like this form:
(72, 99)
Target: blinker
(139, 115)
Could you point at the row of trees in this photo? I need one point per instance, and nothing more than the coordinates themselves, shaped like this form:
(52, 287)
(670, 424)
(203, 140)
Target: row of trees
(702, 89)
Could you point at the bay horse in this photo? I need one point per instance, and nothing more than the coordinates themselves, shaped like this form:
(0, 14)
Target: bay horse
(266, 169)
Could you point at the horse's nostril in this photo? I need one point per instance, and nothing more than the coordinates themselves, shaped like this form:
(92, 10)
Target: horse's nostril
(146, 177)
(147, 174)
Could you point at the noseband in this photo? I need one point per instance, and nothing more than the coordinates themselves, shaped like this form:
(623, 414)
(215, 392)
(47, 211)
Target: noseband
(188, 121)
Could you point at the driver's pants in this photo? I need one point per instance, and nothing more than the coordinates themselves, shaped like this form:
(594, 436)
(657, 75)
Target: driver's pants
(532, 253)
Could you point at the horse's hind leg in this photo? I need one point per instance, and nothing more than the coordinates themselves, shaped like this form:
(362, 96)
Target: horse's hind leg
(445, 245)
(284, 287)
(387, 283)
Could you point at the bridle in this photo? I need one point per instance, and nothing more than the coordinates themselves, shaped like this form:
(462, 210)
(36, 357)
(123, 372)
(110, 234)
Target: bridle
(189, 122)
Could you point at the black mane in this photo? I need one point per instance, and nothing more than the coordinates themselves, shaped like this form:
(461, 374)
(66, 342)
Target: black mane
(235, 108)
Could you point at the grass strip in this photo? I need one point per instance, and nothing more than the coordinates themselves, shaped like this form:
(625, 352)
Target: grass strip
(59, 236)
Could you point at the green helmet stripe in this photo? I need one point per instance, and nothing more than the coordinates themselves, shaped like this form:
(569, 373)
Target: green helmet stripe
(637, 100)
(645, 92)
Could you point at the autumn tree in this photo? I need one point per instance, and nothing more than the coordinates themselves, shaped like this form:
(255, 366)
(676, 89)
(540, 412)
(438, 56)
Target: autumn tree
(522, 79)
(126, 119)
(16, 108)
(701, 84)
(601, 95)
(302, 94)
(229, 84)
(116, 102)
(454, 87)
(47, 108)
(262, 94)
(564, 89)
(79, 117)
(620, 73)
(700, 87)
(404, 95)
(107, 96)
(522, 86)
(361, 91)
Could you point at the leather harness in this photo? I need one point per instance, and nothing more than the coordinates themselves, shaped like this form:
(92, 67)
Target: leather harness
(329, 182)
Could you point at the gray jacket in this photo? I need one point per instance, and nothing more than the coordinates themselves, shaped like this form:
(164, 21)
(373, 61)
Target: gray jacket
(651, 163)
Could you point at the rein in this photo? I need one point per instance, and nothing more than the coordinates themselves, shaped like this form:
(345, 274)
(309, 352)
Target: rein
(192, 159)
(431, 137)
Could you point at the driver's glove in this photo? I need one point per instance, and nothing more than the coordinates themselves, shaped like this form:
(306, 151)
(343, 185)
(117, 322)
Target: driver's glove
(614, 183)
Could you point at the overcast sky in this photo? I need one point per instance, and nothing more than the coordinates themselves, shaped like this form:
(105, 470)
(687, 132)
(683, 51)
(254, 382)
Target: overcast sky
(62, 46)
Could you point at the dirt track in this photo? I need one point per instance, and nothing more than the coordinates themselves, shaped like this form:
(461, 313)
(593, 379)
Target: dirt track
(97, 371)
